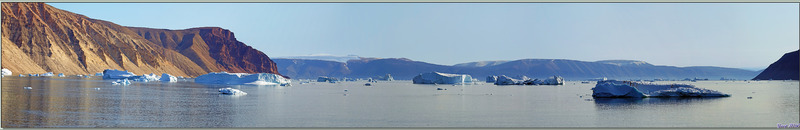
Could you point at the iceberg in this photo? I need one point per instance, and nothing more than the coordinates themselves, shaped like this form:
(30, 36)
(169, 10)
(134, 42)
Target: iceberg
(505, 80)
(555, 80)
(168, 78)
(121, 82)
(99, 73)
(491, 79)
(48, 74)
(326, 79)
(613, 88)
(231, 91)
(442, 78)
(117, 74)
(241, 78)
(61, 75)
(387, 77)
(20, 75)
(6, 72)
(146, 77)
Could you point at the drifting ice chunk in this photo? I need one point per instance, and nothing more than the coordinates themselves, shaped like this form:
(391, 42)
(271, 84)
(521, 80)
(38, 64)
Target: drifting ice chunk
(505, 80)
(491, 79)
(613, 88)
(6, 72)
(327, 79)
(20, 75)
(48, 74)
(241, 78)
(442, 78)
(117, 74)
(555, 80)
(146, 77)
(231, 91)
(60, 74)
(168, 78)
(121, 82)
(99, 74)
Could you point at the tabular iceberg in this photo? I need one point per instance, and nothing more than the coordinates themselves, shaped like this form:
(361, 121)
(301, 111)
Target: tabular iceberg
(168, 78)
(442, 78)
(117, 74)
(241, 78)
(326, 79)
(6, 72)
(613, 88)
(491, 79)
(231, 91)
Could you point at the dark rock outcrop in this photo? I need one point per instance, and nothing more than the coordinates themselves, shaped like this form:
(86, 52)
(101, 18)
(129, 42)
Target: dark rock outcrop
(785, 68)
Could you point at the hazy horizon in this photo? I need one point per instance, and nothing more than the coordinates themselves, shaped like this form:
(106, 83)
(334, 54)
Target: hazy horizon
(734, 35)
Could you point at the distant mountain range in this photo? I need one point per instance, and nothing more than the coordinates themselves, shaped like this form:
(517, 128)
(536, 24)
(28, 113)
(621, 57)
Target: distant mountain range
(39, 38)
(786, 68)
(405, 69)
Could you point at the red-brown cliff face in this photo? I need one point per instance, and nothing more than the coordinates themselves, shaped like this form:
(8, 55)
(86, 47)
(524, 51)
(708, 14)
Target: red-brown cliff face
(38, 38)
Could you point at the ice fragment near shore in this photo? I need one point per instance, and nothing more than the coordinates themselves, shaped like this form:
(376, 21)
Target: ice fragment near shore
(168, 78)
(231, 91)
(6, 72)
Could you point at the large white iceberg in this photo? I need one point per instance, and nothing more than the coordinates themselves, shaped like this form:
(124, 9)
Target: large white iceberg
(241, 78)
(613, 88)
(117, 74)
(442, 78)
(231, 91)
(168, 78)
(555, 80)
(146, 77)
(6, 71)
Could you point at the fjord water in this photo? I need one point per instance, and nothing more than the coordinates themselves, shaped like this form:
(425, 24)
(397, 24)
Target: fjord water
(93, 102)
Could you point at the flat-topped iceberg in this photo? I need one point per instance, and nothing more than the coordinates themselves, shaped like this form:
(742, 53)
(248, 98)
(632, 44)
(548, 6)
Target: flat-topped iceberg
(168, 78)
(241, 78)
(6, 71)
(326, 79)
(442, 78)
(117, 74)
(613, 88)
(231, 91)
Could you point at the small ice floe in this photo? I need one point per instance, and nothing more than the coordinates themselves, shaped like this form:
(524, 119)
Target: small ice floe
(231, 91)
(98, 74)
(21, 75)
(48, 74)
(96, 88)
(121, 82)
(61, 75)
(27, 88)
(367, 84)
(86, 76)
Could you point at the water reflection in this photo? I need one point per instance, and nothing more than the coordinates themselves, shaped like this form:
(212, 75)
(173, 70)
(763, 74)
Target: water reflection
(630, 103)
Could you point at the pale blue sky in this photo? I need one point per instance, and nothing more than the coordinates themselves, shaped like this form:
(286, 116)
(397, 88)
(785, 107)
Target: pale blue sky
(739, 35)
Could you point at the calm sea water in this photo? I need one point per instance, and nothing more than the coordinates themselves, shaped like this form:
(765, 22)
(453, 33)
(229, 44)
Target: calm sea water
(81, 102)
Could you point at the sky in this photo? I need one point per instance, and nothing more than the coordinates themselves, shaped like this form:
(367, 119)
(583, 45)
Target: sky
(736, 35)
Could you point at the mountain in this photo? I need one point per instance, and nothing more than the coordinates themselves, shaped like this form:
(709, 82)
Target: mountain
(39, 38)
(404, 69)
(786, 68)
(325, 57)
(481, 63)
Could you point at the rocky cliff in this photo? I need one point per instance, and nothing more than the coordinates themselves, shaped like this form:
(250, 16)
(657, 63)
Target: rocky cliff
(786, 68)
(38, 38)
